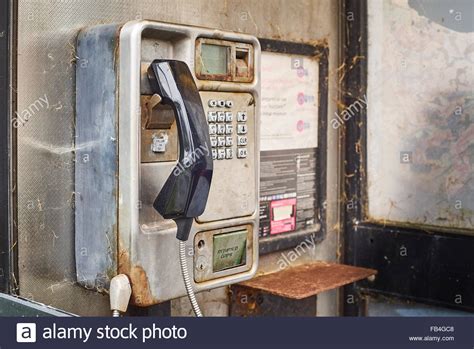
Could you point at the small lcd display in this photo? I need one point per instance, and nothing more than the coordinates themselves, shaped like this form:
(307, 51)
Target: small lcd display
(229, 250)
(214, 59)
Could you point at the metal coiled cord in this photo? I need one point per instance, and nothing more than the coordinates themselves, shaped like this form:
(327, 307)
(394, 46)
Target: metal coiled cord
(187, 279)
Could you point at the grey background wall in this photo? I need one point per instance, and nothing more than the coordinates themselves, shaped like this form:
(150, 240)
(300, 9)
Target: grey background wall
(46, 56)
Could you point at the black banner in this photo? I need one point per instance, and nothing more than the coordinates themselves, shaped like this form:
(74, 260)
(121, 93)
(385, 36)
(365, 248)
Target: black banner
(228, 333)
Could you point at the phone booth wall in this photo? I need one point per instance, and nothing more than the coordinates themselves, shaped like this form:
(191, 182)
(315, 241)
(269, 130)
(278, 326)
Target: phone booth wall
(47, 151)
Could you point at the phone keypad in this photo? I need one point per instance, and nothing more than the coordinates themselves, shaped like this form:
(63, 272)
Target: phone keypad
(242, 116)
(241, 129)
(221, 141)
(241, 153)
(220, 153)
(212, 116)
(212, 129)
(241, 140)
(213, 141)
(220, 116)
(221, 130)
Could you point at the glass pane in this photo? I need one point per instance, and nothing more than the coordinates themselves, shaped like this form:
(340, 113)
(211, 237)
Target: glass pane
(420, 104)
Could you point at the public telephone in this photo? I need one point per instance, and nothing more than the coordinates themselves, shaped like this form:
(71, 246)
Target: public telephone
(167, 126)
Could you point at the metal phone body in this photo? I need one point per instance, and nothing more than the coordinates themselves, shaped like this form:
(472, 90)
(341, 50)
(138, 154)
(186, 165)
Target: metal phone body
(124, 154)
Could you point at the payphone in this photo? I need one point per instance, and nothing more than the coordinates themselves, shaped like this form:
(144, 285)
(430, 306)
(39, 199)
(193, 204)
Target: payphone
(167, 145)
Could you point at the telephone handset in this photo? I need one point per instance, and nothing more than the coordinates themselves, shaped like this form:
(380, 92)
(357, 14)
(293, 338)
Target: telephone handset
(185, 192)
(184, 195)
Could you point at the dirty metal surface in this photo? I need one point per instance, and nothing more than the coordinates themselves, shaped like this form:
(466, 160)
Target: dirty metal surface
(232, 73)
(46, 142)
(147, 133)
(252, 302)
(203, 255)
(308, 280)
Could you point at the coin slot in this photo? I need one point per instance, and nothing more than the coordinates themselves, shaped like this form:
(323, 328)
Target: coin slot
(241, 62)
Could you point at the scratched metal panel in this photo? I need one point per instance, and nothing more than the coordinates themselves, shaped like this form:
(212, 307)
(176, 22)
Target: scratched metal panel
(421, 113)
(47, 30)
(46, 68)
(96, 157)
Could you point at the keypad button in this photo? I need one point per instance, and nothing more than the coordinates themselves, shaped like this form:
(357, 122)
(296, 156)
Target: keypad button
(241, 153)
(220, 116)
(228, 141)
(220, 141)
(211, 116)
(212, 129)
(212, 103)
(229, 154)
(221, 103)
(229, 104)
(214, 154)
(242, 116)
(220, 129)
(241, 140)
(228, 116)
(241, 129)
(220, 154)
(213, 141)
(228, 129)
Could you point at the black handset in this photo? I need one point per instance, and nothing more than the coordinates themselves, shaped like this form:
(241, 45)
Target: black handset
(185, 192)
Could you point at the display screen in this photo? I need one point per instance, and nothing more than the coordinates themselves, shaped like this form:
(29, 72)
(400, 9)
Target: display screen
(214, 59)
(229, 250)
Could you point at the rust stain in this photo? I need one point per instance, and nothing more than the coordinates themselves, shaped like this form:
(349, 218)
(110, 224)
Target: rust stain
(141, 292)
(308, 280)
(319, 42)
(232, 74)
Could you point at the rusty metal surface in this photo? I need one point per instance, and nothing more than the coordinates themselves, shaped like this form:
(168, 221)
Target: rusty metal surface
(232, 71)
(247, 301)
(308, 280)
(165, 115)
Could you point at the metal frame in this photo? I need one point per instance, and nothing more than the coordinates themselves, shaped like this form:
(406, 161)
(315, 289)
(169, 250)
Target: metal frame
(423, 277)
(7, 246)
(231, 74)
(17, 306)
(128, 179)
(321, 53)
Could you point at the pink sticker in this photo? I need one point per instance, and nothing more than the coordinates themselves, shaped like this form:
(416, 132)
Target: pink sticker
(282, 216)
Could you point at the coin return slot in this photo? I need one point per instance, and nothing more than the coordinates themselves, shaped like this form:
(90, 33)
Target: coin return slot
(158, 116)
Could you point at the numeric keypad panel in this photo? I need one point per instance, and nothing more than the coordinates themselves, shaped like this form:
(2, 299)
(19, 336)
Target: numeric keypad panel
(233, 131)
(227, 129)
